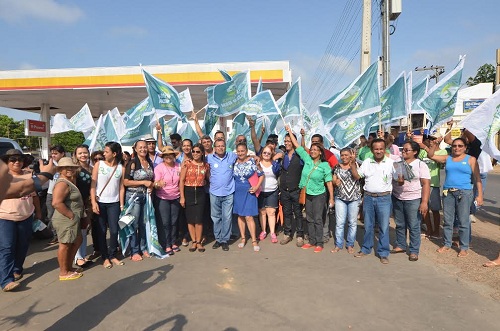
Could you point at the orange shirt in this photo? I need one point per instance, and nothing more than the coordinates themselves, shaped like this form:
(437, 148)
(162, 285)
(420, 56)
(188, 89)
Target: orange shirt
(195, 174)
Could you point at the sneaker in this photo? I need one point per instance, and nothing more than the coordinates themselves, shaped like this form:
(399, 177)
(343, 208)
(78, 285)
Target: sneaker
(300, 241)
(307, 246)
(286, 239)
(262, 235)
(53, 241)
(274, 239)
(317, 249)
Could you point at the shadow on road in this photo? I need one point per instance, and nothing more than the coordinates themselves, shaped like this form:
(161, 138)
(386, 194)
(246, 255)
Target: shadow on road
(91, 312)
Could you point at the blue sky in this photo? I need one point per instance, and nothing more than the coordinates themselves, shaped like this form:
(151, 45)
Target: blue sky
(72, 34)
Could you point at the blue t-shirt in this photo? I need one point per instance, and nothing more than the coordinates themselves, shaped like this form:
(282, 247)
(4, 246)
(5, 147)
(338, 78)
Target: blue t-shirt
(458, 174)
(221, 173)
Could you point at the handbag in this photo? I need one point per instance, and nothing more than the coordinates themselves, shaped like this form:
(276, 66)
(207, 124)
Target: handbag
(107, 182)
(302, 196)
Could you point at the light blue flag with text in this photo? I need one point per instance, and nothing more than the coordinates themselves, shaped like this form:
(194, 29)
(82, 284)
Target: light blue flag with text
(228, 97)
(163, 97)
(440, 101)
(361, 97)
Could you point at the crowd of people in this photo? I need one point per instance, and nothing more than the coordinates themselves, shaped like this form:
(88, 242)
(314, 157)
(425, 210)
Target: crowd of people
(202, 191)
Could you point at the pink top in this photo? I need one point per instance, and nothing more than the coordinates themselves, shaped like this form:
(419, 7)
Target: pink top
(17, 209)
(412, 190)
(170, 176)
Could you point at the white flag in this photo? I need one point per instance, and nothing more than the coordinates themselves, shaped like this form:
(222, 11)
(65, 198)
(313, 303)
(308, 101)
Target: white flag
(484, 123)
(60, 124)
(186, 101)
(117, 122)
(83, 121)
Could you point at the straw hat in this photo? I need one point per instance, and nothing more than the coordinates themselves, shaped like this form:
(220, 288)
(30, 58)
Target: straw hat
(66, 162)
(148, 137)
(167, 150)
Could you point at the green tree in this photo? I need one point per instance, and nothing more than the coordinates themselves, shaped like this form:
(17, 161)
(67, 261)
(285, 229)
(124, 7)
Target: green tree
(69, 140)
(15, 130)
(485, 74)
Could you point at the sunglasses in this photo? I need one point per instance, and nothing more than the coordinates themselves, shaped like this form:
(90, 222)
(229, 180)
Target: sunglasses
(196, 151)
(457, 146)
(15, 159)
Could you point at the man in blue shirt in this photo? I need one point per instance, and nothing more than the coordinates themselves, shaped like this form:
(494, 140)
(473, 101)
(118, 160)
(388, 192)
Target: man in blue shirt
(221, 192)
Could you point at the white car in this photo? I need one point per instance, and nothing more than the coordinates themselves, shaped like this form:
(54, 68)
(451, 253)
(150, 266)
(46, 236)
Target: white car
(6, 144)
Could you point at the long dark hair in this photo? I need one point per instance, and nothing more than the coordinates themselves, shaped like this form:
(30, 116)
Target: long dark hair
(322, 157)
(115, 148)
(202, 149)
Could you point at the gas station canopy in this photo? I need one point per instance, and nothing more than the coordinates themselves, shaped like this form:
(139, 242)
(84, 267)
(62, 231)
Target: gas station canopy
(67, 90)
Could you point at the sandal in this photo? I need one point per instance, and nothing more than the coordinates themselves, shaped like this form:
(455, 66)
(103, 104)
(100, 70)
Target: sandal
(201, 249)
(72, 276)
(262, 235)
(11, 287)
(274, 239)
(176, 249)
(242, 243)
(490, 264)
(193, 248)
(136, 257)
(256, 247)
(117, 262)
(463, 253)
(413, 257)
(17, 277)
(443, 249)
(146, 254)
(397, 250)
(107, 264)
(350, 250)
(335, 250)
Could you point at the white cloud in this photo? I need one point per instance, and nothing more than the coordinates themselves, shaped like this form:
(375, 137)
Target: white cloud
(128, 31)
(47, 10)
(27, 66)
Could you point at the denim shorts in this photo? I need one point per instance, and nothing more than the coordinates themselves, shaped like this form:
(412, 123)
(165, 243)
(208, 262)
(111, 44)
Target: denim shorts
(435, 199)
(268, 199)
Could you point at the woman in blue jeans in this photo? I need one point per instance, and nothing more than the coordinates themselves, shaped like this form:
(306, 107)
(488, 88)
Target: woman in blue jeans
(347, 199)
(16, 218)
(410, 198)
(107, 197)
(167, 199)
(138, 181)
(462, 175)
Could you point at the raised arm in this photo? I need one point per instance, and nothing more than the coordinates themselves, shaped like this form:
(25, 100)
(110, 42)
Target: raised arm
(159, 135)
(194, 117)
(253, 135)
(447, 137)
(295, 143)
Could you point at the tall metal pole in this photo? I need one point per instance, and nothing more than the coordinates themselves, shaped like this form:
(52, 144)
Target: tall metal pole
(366, 35)
(386, 71)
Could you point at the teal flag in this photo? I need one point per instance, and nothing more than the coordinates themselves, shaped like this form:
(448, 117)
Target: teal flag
(152, 242)
(237, 130)
(290, 103)
(135, 115)
(439, 102)
(138, 132)
(163, 97)
(393, 104)
(103, 132)
(360, 98)
(227, 77)
(261, 104)
(167, 128)
(417, 92)
(228, 97)
(109, 128)
(187, 132)
(259, 86)
(349, 129)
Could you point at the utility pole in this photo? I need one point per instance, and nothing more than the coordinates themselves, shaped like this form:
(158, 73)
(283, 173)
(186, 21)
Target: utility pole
(497, 75)
(366, 35)
(386, 71)
(438, 70)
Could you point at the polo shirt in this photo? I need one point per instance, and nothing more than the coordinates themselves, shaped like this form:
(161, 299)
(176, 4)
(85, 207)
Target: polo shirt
(315, 185)
(221, 173)
(378, 175)
(434, 167)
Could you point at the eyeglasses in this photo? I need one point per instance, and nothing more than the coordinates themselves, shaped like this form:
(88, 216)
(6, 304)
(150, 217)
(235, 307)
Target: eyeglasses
(15, 159)
(196, 151)
(407, 150)
(457, 146)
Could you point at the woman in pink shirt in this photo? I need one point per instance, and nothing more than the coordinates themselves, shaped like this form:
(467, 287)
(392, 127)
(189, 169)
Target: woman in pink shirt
(167, 204)
(410, 198)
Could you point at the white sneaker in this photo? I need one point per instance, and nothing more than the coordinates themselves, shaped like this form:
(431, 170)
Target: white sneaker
(473, 218)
